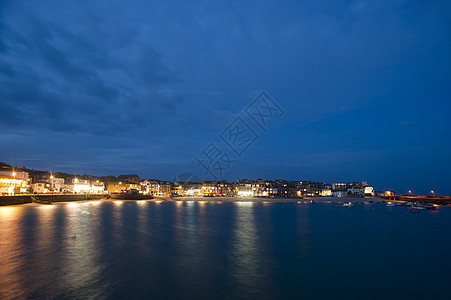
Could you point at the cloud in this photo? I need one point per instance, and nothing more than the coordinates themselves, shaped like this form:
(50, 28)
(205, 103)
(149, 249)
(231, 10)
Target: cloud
(85, 79)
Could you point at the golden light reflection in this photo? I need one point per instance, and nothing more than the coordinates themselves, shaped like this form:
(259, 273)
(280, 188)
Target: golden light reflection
(245, 253)
(12, 253)
(47, 207)
(118, 202)
(158, 201)
(79, 260)
(244, 203)
(7, 211)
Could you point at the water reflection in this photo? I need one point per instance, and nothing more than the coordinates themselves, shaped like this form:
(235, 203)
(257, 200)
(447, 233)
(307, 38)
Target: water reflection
(245, 253)
(187, 250)
(80, 267)
(11, 253)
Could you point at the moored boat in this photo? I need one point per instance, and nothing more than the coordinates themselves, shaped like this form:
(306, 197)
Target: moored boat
(430, 206)
(129, 195)
(416, 208)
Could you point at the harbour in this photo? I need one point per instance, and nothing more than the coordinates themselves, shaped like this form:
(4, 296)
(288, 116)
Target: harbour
(210, 249)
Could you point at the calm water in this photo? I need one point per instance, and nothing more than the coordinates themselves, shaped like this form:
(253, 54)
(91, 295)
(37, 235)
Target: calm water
(192, 250)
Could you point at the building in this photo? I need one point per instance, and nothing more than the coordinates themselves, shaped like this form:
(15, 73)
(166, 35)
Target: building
(150, 187)
(244, 188)
(116, 187)
(56, 184)
(368, 191)
(325, 193)
(12, 182)
(98, 187)
(259, 188)
(165, 188)
(339, 186)
(339, 193)
(355, 191)
(81, 186)
(225, 188)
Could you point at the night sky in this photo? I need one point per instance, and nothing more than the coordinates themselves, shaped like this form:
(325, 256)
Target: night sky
(121, 87)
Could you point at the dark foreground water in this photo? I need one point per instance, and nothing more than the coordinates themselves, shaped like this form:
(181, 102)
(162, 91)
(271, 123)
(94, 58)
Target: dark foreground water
(137, 250)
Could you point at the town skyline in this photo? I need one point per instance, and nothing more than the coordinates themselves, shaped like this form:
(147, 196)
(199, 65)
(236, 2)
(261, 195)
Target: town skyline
(99, 184)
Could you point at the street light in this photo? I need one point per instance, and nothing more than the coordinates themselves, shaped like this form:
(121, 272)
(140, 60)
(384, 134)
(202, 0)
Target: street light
(432, 192)
(51, 177)
(14, 186)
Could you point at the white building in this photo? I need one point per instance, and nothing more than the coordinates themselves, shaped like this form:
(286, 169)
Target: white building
(368, 191)
(12, 182)
(81, 186)
(97, 187)
(56, 184)
(355, 191)
(40, 187)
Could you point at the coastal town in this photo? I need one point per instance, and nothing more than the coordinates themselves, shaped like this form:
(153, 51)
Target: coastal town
(22, 181)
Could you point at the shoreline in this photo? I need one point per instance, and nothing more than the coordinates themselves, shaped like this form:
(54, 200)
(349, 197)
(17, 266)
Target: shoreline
(45, 199)
(54, 199)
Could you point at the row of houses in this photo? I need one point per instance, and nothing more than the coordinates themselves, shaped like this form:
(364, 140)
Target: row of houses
(19, 182)
(15, 182)
(256, 188)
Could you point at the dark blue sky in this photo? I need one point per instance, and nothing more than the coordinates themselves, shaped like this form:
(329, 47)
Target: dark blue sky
(113, 87)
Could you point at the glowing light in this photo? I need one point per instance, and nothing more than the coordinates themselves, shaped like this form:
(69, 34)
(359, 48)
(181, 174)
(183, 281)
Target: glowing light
(158, 201)
(47, 206)
(245, 193)
(244, 203)
(6, 211)
(14, 174)
(141, 202)
(118, 202)
(72, 204)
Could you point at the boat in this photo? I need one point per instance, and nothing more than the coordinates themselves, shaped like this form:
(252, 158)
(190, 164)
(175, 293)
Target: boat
(390, 204)
(416, 208)
(40, 201)
(129, 195)
(347, 204)
(429, 206)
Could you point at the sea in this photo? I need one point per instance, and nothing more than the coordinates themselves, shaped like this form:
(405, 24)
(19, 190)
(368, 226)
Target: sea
(223, 250)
